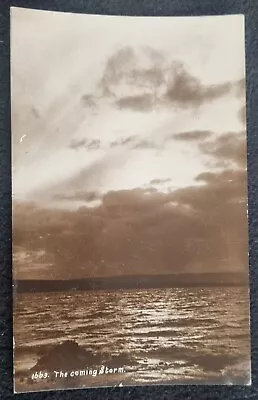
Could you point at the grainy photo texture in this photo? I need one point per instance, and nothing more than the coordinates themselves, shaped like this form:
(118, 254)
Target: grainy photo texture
(130, 235)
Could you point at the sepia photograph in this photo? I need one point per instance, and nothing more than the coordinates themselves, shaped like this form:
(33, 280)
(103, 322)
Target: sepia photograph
(130, 207)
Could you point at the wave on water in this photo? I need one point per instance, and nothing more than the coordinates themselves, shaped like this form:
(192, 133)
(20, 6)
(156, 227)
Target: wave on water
(157, 336)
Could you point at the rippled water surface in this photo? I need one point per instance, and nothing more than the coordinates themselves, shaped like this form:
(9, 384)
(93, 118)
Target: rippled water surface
(166, 335)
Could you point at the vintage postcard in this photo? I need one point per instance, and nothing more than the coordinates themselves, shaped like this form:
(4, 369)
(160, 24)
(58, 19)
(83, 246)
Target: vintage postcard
(130, 232)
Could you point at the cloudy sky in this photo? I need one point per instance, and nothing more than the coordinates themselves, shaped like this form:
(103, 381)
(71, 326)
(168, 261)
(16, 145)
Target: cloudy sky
(129, 151)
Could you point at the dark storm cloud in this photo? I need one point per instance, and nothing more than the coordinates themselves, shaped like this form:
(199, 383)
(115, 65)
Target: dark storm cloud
(123, 141)
(84, 196)
(77, 144)
(228, 148)
(136, 200)
(149, 144)
(186, 90)
(135, 143)
(93, 145)
(195, 229)
(86, 144)
(235, 176)
(191, 135)
(188, 225)
(160, 181)
(142, 102)
(123, 67)
(161, 83)
(88, 101)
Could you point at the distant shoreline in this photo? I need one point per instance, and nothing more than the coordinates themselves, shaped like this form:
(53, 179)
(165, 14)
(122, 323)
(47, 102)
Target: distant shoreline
(133, 282)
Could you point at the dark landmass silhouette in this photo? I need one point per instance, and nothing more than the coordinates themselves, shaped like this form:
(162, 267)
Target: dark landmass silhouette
(69, 355)
(66, 355)
(133, 282)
